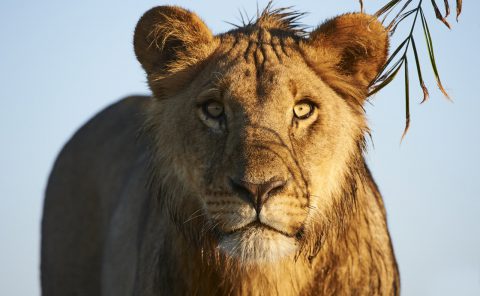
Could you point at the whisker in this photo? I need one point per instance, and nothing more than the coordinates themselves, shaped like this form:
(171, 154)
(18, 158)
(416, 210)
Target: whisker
(195, 217)
(191, 215)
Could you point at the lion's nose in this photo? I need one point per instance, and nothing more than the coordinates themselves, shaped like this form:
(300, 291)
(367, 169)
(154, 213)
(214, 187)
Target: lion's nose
(256, 194)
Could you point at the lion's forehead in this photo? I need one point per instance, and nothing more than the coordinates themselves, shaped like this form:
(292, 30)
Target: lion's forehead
(259, 68)
(260, 47)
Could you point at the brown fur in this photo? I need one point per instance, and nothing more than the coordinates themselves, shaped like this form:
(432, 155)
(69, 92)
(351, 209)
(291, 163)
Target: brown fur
(323, 232)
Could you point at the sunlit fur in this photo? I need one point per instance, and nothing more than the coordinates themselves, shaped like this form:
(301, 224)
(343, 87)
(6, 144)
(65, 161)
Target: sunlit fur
(324, 231)
(258, 72)
(257, 245)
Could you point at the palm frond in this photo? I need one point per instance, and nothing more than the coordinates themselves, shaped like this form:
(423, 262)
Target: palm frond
(398, 58)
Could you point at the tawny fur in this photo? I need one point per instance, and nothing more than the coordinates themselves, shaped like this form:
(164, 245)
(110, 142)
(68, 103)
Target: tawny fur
(141, 200)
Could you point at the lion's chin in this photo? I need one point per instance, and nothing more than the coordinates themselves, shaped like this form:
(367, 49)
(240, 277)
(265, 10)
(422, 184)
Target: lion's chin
(257, 245)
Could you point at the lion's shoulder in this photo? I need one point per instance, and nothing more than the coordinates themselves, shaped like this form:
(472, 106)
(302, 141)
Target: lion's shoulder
(120, 121)
(84, 187)
(107, 144)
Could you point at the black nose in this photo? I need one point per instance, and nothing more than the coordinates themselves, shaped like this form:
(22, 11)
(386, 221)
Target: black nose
(256, 194)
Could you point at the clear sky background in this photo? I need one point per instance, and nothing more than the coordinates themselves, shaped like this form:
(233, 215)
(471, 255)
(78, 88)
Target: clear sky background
(63, 61)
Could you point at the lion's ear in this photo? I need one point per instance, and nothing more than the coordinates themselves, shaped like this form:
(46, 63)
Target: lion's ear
(356, 45)
(169, 39)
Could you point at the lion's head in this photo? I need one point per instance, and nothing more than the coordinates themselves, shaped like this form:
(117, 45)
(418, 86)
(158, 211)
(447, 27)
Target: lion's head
(257, 132)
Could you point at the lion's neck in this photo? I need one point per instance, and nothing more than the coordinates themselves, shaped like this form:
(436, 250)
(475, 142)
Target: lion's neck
(204, 277)
(358, 258)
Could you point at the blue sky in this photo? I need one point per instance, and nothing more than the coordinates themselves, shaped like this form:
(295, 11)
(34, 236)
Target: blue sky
(61, 62)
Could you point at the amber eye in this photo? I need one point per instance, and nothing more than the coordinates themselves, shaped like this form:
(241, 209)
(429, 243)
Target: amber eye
(213, 109)
(303, 109)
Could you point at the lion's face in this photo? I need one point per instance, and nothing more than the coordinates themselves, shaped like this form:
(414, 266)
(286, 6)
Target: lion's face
(259, 144)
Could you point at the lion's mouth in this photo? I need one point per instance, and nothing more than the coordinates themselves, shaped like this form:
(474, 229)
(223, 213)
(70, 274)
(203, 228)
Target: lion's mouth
(258, 225)
(258, 242)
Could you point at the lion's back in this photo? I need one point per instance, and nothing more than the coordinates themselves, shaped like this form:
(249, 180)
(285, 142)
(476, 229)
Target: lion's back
(84, 187)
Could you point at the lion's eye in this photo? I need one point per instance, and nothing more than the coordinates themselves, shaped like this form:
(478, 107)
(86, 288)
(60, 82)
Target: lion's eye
(303, 110)
(213, 109)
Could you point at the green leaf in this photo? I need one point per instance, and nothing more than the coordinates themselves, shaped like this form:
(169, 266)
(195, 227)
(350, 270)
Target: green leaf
(407, 101)
(398, 14)
(390, 59)
(428, 39)
(419, 72)
(377, 88)
(386, 8)
(400, 19)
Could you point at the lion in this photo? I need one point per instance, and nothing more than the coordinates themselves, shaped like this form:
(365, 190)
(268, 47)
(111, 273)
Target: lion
(243, 174)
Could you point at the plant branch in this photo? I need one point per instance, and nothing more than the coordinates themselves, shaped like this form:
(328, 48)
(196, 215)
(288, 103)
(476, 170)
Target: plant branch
(398, 58)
